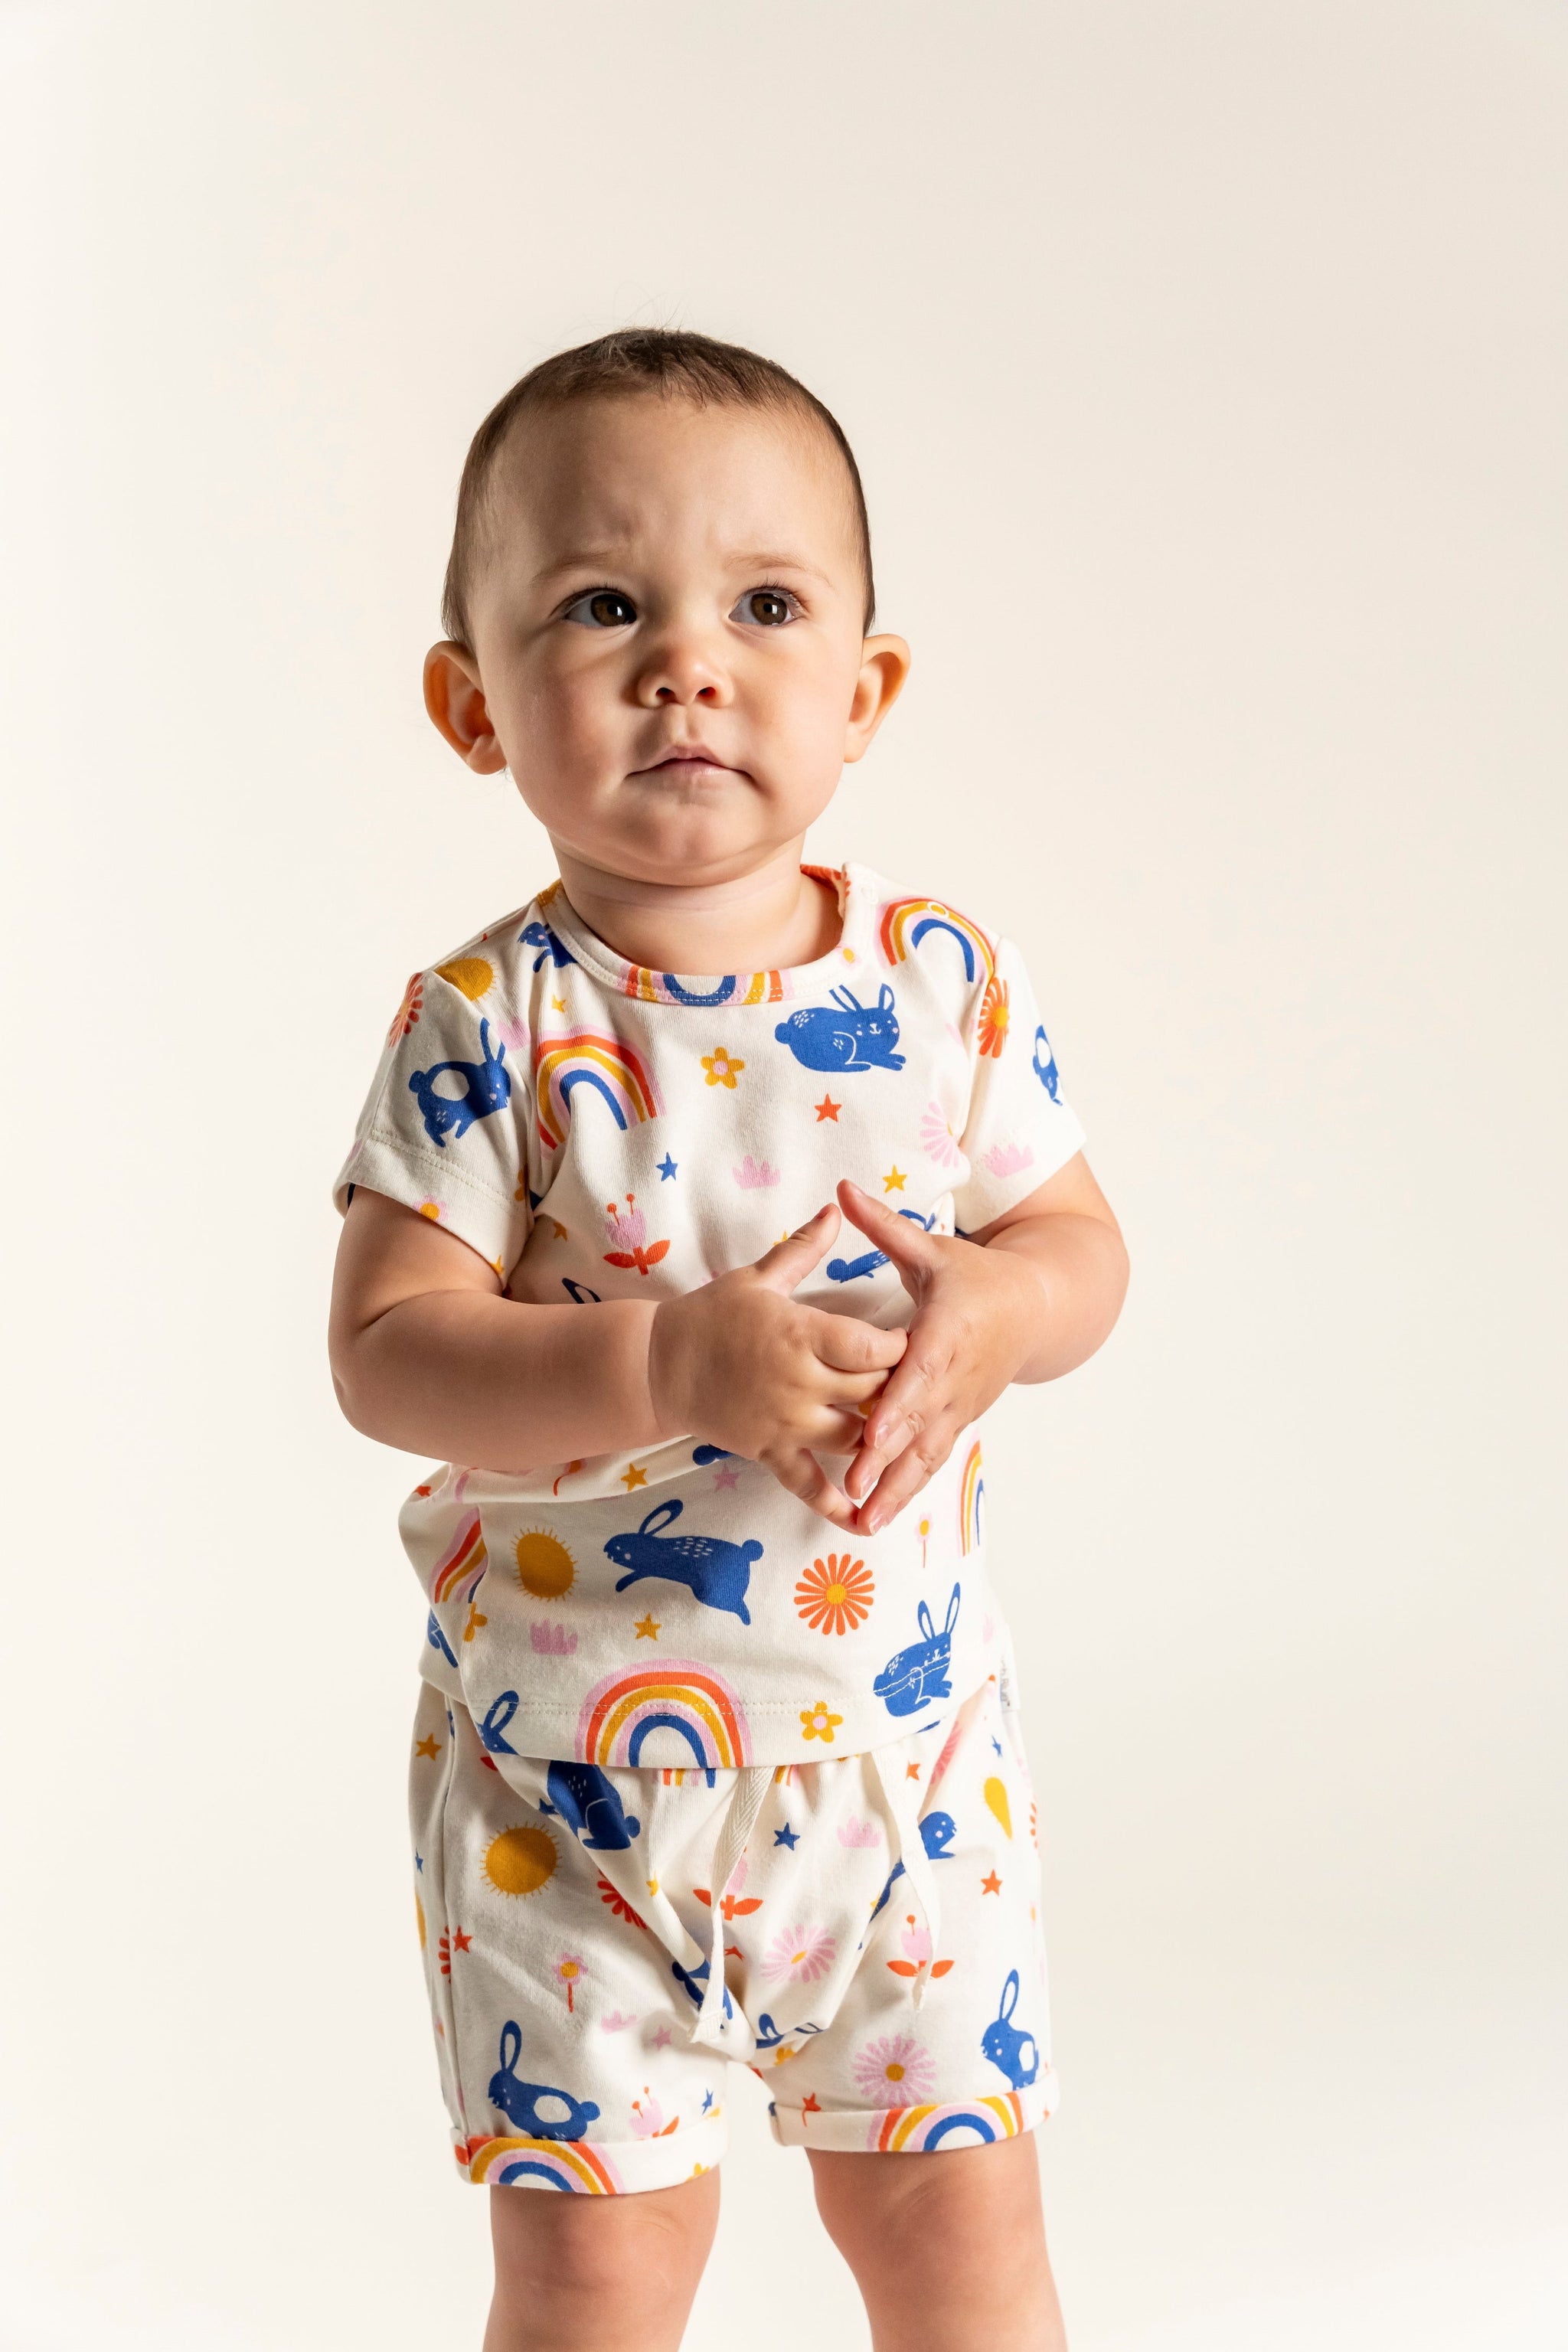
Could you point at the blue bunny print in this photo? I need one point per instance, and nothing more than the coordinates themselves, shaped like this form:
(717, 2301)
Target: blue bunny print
(523, 2104)
(1015, 2053)
(487, 1086)
(551, 951)
(1045, 1064)
(845, 1035)
(586, 1800)
(912, 1677)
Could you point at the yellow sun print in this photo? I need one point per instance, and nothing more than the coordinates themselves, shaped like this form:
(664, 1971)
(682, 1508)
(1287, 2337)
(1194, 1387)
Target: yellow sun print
(545, 1566)
(519, 1861)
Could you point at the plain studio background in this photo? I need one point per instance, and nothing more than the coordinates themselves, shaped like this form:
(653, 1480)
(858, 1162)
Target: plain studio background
(1207, 367)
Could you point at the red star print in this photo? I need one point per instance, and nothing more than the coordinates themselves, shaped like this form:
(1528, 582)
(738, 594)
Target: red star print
(811, 2105)
(827, 1108)
(912, 1771)
(459, 1941)
(424, 1490)
(991, 1883)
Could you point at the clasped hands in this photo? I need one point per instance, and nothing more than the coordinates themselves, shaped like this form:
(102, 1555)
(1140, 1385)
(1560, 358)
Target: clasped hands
(741, 1363)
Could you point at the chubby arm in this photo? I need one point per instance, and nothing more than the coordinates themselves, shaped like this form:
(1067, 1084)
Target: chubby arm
(1027, 1298)
(428, 1355)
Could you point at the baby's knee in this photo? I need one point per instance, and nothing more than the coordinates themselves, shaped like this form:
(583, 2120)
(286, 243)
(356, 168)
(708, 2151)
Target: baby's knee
(593, 2257)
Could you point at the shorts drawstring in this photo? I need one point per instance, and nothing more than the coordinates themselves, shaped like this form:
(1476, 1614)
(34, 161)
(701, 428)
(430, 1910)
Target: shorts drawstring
(752, 1782)
(903, 1802)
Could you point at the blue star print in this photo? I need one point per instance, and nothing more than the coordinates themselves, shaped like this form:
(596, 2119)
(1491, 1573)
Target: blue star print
(418, 1862)
(667, 1168)
(786, 1836)
(707, 2101)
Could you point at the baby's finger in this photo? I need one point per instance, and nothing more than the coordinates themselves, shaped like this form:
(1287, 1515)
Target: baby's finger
(914, 1390)
(850, 1346)
(903, 1480)
(802, 1475)
(789, 1262)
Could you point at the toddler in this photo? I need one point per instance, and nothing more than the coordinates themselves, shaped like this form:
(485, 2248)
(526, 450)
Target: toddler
(698, 1209)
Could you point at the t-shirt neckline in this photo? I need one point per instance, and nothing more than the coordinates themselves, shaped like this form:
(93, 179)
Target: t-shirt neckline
(702, 990)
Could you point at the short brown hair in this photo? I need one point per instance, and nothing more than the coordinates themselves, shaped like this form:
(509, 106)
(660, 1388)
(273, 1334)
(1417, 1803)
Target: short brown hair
(634, 359)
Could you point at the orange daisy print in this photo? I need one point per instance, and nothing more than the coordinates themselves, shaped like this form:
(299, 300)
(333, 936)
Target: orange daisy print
(408, 1011)
(835, 1595)
(994, 1017)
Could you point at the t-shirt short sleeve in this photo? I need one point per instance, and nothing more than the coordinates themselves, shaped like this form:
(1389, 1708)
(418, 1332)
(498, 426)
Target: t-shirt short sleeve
(442, 1127)
(1020, 1129)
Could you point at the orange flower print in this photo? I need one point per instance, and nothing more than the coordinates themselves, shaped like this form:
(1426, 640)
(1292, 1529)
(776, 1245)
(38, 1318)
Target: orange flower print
(618, 1904)
(815, 1723)
(722, 1068)
(835, 1595)
(407, 1012)
(994, 1017)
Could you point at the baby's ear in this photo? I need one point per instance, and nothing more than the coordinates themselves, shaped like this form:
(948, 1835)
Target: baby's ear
(456, 700)
(884, 666)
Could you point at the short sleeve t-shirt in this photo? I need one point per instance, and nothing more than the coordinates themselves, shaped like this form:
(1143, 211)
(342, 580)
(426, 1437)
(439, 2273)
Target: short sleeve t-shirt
(596, 1130)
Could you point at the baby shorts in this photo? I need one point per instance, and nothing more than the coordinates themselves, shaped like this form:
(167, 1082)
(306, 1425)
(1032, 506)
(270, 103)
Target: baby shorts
(601, 1944)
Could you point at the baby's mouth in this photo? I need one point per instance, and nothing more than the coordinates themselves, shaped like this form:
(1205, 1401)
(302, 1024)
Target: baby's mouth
(686, 763)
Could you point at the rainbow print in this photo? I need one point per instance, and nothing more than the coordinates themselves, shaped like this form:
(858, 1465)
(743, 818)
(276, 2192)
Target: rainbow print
(588, 1058)
(909, 2130)
(569, 2164)
(679, 1695)
(734, 988)
(906, 921)
(971, 1493)
(462, 1563)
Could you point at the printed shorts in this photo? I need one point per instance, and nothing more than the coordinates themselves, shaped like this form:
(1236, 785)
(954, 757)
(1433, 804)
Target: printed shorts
(874, 1918)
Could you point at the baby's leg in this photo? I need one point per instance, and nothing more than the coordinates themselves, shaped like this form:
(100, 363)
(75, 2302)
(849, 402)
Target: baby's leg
(948, 2249)
(599, 2273)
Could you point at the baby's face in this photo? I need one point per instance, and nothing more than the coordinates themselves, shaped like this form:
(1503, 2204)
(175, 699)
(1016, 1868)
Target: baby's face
(668, 634)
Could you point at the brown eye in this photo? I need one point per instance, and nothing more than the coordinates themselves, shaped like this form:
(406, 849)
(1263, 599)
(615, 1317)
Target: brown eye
(767, 608)
(602, 608)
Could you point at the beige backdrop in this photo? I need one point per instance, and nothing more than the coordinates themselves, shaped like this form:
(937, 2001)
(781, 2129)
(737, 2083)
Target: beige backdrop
(1207, 367)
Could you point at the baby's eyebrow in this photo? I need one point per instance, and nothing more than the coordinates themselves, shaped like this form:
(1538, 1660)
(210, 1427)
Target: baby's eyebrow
(774, 560)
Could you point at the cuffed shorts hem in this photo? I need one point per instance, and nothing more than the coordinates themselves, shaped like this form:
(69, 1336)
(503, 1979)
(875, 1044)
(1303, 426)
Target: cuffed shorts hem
(916, 2130)
(593, 2168)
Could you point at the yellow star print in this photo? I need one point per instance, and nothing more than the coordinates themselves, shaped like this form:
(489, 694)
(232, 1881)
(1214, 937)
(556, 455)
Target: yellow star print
(893, 1181)
(427, 1746)
(647, 1627)
(558, 1004)
(632, 1476)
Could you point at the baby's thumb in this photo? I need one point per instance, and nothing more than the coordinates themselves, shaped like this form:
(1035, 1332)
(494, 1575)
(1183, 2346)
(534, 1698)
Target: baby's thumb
(790, 1261)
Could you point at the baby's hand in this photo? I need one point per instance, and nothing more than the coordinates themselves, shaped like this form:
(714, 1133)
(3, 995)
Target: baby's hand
(744, 1365)
(977, 1315)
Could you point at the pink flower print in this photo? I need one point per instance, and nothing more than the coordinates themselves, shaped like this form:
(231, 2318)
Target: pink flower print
(916, 1941)
(854, 1831)
(569, 1971)
(514, 1033)
(940, 1141)
(799, 1956)
(894, 2071)
(752, 1177)
(628, 1231)
(648, 2117)
(549, 1640)
(1007, 1159)
(616, 2022)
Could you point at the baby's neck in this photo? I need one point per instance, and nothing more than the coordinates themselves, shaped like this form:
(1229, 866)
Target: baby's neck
(770, 919)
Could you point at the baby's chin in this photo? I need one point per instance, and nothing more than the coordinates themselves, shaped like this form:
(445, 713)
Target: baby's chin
(686, 832)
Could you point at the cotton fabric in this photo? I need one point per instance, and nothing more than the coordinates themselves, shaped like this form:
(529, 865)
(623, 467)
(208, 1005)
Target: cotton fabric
(596, 1130)
(880, 1956)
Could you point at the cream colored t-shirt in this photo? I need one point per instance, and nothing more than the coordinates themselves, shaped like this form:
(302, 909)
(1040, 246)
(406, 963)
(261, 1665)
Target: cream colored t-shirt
(596, 1130)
